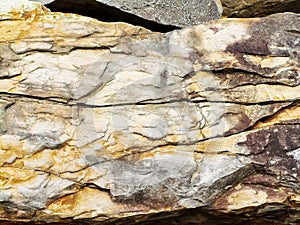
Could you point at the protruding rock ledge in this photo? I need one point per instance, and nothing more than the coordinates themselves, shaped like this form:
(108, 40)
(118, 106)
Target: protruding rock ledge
(165, 15)
(162, 15)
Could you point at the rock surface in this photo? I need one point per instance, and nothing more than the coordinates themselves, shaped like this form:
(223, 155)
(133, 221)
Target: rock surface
(108, 121)
(166, 15)
(257, 8)
(180, 13)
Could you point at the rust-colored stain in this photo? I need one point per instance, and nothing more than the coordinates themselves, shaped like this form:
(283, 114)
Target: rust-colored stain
(66, 201)
(270, 145)
(10, 177)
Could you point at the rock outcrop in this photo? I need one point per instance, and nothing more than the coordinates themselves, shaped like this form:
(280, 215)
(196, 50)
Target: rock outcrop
(166, 15)
(162, 15)
(108, 121)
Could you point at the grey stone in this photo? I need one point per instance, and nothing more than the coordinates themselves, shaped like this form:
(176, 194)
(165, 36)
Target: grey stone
(179, 13)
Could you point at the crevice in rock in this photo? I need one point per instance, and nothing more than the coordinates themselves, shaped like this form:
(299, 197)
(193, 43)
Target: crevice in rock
(240, 78)
(162, 102)
(54, 99)
(105, 13)
(72, 102)
(271, 82)
(90, 48)
(94, 186)
(230, 181)
(293, 31)
(270, 117)
(264, 103)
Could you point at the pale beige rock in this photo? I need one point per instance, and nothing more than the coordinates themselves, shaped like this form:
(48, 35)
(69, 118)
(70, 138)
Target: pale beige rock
(107, 121)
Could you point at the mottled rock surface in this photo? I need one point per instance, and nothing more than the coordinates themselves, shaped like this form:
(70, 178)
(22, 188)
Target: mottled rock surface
(108, 121)
(258, 8)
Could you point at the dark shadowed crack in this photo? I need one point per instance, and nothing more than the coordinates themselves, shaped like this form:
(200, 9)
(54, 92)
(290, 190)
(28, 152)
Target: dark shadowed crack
(102, 12)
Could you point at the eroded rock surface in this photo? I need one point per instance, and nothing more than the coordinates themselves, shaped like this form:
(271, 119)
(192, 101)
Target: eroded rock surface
(106, 121)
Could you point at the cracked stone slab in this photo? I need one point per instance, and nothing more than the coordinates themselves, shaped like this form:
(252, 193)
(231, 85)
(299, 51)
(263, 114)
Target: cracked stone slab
(105, 122)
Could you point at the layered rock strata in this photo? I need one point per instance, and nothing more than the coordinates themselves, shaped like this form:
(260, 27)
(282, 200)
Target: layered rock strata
(107, 121)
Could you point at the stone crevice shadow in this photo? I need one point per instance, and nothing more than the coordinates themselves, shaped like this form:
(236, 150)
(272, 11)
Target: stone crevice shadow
(105, 13)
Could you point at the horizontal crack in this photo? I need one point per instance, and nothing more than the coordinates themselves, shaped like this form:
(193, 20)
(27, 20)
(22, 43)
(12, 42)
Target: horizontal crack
(293, 31)
(271, 82)
(90, 48)
(71, 102)
(270, 102)
(49, 98)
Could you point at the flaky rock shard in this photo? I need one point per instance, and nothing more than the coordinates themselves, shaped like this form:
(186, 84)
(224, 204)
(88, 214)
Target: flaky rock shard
(107, 121)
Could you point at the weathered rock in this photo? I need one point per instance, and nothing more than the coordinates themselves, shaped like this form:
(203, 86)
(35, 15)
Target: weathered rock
(105, 121)
(153, 14)
(180, 13)
(257, 8)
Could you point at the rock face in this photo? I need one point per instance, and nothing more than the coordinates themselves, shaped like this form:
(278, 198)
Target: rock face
(176, 13)
(166, 15)
(107, 121)
(180, 13)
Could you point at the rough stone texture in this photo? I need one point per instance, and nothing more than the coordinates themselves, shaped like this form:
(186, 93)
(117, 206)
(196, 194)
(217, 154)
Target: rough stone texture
(179, 13)
(257, 8)
(176, 13)
(153, 14)
(107, 121)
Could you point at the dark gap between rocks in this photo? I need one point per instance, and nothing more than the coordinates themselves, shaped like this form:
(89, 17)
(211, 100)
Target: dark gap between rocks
(94, 9)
